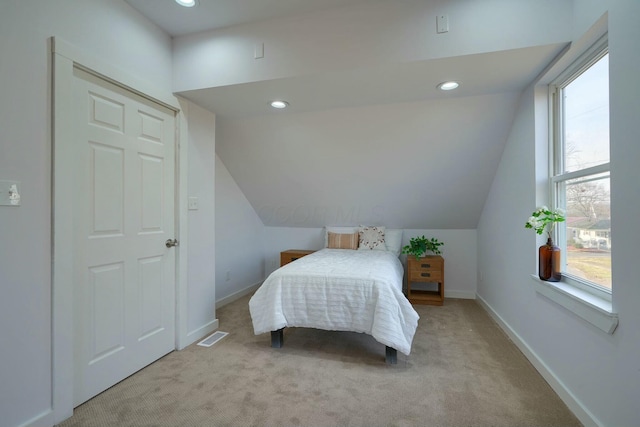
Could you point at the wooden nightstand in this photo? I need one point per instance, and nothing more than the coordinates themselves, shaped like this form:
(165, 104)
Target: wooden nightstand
(428, 269)
(292, 254)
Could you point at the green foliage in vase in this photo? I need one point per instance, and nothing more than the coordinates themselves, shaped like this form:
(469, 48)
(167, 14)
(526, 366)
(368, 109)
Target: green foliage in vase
(543, 219)
(419, 246)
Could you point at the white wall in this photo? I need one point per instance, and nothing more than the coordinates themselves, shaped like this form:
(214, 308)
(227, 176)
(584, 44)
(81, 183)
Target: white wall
(363, 35)
(460, 259)
(201, 290)
(597, 374)
(239, 239)
(117, 35)
(249, 251)
(25, 273)
(278, 239)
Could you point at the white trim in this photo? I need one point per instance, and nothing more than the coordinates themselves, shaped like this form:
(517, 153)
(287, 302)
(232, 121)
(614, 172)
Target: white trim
(113, 74)
(580, 284)
(62, 244)
(594, 309)
(580, 173)
(583, 62)
(64, 57)
(182, 227)
(574, 51)
(575, 406)
(44, 419)
(201, 332)
(237, 295)
(459, 294)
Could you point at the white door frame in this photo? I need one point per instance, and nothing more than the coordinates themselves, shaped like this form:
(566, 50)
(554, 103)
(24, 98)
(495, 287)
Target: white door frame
(64, 58)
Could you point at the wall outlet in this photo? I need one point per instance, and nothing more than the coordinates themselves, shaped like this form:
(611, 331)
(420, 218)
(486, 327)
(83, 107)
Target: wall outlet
(193, 204)
(9, 193)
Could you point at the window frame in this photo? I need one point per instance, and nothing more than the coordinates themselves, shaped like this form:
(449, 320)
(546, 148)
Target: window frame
(591, 303)
(556, 156)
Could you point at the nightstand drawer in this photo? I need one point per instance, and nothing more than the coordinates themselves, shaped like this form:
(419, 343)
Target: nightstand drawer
(424, 275)
(426, 268)
(426, 264)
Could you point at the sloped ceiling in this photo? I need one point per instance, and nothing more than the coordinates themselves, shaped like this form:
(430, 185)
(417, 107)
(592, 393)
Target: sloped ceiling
(415, 165)
(367, 138)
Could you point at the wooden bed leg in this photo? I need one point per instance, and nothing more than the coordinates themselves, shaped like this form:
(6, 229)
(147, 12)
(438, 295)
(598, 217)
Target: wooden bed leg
(277, 338)
(391, 355)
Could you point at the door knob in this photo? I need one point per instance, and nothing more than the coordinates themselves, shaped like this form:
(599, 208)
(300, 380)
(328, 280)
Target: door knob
(171, 243)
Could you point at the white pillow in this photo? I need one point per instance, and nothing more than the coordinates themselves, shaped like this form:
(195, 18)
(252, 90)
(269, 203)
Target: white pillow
(371, 238)
(393, 240)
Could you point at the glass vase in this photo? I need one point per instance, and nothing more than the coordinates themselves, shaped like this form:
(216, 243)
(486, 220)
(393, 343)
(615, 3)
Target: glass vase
(549, 262)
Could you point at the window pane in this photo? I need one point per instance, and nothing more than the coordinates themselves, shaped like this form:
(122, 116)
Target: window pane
(588, 229)
(586, 118)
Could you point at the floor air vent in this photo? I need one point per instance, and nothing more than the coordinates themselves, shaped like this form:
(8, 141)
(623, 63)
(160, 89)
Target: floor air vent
(213, 338)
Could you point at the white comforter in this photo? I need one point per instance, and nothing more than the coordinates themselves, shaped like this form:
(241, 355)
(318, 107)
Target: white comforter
(341, 290)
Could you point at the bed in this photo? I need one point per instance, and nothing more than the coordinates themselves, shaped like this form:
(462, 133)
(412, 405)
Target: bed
(340, 289)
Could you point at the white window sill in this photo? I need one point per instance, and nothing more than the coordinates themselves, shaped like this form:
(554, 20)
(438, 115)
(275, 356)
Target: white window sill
(595, 310)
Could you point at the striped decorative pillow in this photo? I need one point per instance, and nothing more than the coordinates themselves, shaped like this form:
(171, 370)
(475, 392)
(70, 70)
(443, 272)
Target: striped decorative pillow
(342, 241)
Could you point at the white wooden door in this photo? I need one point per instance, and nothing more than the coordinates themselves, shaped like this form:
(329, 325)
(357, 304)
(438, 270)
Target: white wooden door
(124, 275)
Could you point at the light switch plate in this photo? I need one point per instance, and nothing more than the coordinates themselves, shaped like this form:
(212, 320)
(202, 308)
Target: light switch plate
(442, 24)
(9, 193)
(258, 51)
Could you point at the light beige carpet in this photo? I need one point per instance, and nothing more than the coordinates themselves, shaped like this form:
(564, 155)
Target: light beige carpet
(462, 371)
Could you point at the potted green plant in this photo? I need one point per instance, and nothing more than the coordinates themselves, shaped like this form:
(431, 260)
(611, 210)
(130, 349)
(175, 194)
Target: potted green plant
(419, 246)
(543, 220)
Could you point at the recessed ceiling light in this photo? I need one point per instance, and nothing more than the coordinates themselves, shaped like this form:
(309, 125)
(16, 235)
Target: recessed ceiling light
(279, 104)
(187, 3)
(450, 85)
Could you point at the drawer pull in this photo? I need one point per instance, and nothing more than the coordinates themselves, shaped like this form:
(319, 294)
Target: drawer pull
(425, 274)
(426, 265)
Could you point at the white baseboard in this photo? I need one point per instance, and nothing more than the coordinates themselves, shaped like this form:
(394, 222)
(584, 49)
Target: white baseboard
(579, 410)
(237, 295)
(459, 294)
(44, 419)
(201, 332)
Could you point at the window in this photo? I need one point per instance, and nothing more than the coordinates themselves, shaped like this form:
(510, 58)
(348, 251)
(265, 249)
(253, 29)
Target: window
(580, 181)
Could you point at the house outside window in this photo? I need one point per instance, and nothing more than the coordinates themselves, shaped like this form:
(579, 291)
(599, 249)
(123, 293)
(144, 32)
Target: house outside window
(580, 182)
